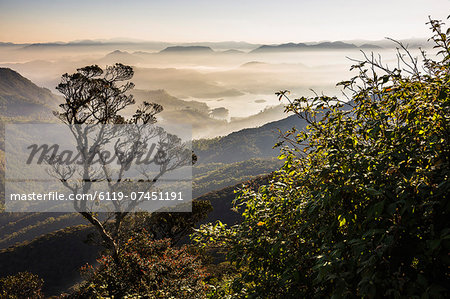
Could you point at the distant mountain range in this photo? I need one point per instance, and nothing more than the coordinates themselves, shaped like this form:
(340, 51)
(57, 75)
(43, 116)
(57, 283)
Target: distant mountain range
(289, 47)
(187, 49)
(144, 45)
(302, 46)
(220, 46)
(117, 54)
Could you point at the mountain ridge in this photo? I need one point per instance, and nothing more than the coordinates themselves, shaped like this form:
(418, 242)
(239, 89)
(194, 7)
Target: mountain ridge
(337, 45)
(187, 49)
(21, 97)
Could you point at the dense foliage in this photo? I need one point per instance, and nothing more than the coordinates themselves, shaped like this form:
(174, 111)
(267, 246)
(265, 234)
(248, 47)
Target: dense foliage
(148, 268)
(173, 226)
(21, 285)
(360, 207)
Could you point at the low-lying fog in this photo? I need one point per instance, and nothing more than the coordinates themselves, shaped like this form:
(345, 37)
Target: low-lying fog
(217, 91)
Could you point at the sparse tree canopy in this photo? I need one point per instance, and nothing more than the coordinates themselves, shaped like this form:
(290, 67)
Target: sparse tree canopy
(94, 96)
(97, 97)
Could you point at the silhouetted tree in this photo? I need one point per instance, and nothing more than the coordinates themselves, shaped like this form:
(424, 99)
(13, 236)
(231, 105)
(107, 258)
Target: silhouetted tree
(94, 100)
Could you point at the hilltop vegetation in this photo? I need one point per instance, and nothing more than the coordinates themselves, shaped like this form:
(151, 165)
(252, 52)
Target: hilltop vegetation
(360, 207)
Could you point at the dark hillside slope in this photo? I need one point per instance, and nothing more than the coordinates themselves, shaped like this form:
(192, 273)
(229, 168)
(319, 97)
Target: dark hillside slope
(247, 143)
(19, 227)
(37, 224)
(55, 257)
(21, 97)
(222, 201)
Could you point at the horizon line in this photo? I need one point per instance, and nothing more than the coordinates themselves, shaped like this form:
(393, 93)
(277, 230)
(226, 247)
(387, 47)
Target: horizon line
(138, 41)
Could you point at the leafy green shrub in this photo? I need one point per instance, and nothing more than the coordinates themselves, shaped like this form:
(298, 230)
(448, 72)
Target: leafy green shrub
(360, 207)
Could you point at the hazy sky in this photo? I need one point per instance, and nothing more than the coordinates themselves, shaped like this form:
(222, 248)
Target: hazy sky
(259, 21)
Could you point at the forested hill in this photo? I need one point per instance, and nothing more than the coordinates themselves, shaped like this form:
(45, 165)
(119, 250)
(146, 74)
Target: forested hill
(289, 47)
(250, 143)
(247, 143)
